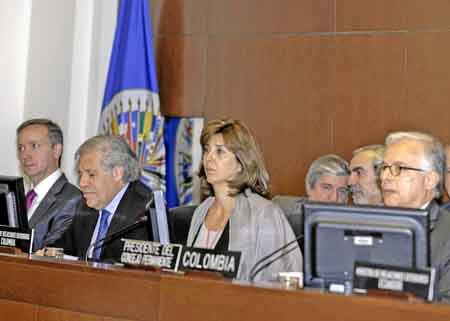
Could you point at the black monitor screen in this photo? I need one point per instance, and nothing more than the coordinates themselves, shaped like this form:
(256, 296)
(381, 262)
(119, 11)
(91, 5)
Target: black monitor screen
(13, 210)
(336, 236)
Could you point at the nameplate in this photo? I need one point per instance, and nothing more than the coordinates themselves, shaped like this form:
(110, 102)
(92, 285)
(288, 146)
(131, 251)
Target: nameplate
(145, 253)
(225, 262)
(367, 276)
(174, 257)
(15, 237)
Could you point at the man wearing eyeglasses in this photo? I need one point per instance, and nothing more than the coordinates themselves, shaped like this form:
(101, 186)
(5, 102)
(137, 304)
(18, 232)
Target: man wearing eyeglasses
(411, 177)
(363, 180)
(447, 175)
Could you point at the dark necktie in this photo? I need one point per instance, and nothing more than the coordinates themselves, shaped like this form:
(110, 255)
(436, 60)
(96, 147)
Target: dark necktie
(29, 198)
(104, 214)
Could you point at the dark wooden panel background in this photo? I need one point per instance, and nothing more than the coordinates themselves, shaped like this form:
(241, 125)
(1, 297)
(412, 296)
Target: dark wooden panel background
(310, 77)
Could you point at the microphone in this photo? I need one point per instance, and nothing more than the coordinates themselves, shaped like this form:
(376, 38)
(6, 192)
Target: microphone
(142, 218)
(269, 258)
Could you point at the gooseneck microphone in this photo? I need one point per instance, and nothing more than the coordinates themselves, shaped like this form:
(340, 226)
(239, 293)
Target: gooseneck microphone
(270, 258)
(142, 218)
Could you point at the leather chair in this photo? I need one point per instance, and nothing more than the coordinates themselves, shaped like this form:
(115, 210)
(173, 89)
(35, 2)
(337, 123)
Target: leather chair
(180, 218)
(179, 222)
(292, 207)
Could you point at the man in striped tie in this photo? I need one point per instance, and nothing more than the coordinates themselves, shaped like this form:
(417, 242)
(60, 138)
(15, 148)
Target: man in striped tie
(114, 198)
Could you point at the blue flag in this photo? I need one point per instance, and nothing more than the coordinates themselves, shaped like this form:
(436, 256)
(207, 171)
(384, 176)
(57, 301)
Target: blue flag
(131, 106)
(183, 154)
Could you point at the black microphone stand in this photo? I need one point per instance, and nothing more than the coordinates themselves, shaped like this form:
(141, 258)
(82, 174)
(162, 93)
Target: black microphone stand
(257, 268)
(113, 236)
(126, 229)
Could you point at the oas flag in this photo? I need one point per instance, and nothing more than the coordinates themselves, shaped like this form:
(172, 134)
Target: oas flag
(131, 102)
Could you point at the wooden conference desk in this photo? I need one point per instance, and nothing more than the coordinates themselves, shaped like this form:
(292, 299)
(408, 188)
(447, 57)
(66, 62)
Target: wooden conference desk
(65, 291)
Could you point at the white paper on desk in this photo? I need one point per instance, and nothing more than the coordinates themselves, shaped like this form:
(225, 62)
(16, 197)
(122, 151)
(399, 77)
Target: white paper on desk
(70, 257)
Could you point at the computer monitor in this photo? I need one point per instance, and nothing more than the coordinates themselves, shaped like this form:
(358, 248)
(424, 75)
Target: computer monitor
(158, 219)
(337, 235)
(13, 210)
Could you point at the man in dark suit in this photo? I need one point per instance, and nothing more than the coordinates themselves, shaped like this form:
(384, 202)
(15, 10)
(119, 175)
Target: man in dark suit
(52, 199)
(411, 176)
(327, 180)
(113, 199)
(447, 176)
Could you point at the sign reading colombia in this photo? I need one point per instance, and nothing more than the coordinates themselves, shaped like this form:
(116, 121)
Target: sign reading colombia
(174, 257)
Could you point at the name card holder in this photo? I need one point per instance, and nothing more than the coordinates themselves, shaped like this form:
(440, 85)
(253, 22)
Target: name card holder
(418, 282)
(14, 240)
(175, 257)
(224, 262)
(146, 253)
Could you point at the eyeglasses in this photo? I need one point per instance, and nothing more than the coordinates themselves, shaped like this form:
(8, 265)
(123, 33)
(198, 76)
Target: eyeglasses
(396, 170)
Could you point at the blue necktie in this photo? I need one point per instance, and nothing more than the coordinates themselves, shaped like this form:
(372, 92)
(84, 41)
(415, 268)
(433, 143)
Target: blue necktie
(104, 214)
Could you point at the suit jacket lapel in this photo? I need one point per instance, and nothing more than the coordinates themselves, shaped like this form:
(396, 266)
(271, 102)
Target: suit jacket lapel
(125, 212)
(87, 229)
(47, 202)
(434, 213)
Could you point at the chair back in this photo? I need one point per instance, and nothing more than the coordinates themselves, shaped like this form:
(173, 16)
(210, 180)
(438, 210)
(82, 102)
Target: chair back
(179, 222)
(292, 207)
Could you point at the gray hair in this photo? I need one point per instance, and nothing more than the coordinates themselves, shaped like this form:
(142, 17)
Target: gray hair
(433, 152)
(446, 169)
(326, 165)
(376, 151)
(55, 134)
(116, 152)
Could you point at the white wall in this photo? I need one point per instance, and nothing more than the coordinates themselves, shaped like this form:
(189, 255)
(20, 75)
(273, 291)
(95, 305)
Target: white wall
(14, 40)
(49, 61)
(93, 37)
(54, 61)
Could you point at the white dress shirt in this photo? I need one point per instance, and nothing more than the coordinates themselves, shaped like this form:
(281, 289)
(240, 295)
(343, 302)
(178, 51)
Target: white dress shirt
(42, 189)
(111, 207)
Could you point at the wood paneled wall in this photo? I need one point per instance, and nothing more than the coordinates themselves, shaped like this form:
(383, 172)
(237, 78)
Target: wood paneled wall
(310, 77)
